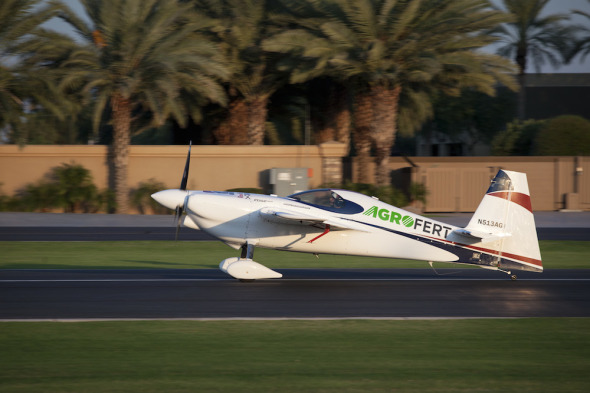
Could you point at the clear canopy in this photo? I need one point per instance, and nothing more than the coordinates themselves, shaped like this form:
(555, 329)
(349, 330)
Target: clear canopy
(322, 198)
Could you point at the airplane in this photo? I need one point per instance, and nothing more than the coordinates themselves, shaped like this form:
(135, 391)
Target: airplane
(501, 234)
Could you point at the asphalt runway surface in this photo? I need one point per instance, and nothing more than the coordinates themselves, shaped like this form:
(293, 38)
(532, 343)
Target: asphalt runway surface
(60, 233)
(302, 293)
(313, 293)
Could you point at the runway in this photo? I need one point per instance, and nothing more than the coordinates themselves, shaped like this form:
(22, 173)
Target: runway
(117, 233)
(323, 293)
(302, 293)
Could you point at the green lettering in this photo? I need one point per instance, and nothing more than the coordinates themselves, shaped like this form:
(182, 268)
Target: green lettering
(395, 217)
(371, 212)
(384, 214)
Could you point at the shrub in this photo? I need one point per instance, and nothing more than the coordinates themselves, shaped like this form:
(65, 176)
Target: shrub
(75, 189)
(566, 135)
(517, 139)
(41, 196)
(8, 203)
(141, 197)
(418, 192)
(68, 186)
(387, 194)
(107, 201)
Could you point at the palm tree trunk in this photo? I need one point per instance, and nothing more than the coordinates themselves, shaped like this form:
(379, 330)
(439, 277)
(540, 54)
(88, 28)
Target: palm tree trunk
(336, 126)
(522, 97)
(341, 113)
(521, 59)
(363, 114)
(233, 130)
(257, 119)
(384, 128)
(121, 108)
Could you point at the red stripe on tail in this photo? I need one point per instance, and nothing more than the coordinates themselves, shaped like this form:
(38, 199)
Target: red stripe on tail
(519, 198)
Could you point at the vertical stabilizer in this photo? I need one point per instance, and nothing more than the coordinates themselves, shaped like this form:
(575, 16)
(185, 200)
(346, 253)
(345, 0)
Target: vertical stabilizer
(504, 224)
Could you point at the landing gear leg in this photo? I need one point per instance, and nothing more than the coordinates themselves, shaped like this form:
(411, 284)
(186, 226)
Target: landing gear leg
(247, 251)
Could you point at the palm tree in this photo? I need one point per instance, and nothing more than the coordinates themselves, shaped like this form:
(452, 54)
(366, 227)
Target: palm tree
(330, 110)
(393, 53)
(142, 59)
(582, 45)
(241, 25)
(20, 21)
(531, 35)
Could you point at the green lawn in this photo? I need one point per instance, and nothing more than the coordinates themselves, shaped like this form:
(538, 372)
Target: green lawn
(194, 255)
(482, 355)
(509, 355)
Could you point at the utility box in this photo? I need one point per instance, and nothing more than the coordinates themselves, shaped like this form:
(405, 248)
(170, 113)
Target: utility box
(287, 181)
(572, 201)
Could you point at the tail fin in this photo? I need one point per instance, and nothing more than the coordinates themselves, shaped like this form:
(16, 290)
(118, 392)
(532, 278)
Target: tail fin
(505, 225)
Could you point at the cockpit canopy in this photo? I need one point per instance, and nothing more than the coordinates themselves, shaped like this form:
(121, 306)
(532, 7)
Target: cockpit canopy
(327, 199)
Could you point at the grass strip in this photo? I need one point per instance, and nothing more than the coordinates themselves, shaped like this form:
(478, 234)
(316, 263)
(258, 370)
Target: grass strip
(195, 255)
(509, 355)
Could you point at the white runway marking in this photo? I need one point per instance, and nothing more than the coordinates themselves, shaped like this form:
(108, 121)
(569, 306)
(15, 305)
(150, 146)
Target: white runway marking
(255, 319)
(280, 280)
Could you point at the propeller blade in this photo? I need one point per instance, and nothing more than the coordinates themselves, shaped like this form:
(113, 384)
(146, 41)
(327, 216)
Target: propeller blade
(186, 167)
(177, 218)
(180, 209)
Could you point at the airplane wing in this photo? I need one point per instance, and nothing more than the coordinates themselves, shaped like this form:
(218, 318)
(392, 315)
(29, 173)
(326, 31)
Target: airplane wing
(483, 237)
(290, 217)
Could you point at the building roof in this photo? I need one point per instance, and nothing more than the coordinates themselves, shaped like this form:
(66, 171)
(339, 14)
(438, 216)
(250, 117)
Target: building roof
(557, 80)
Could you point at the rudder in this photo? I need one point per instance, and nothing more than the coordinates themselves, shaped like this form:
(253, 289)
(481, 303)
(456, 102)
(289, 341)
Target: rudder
(505, 225)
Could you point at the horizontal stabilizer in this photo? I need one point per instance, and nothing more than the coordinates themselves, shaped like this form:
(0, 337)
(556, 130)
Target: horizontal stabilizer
(484, 237)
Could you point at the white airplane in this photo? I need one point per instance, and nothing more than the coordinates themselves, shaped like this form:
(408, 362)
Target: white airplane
(501, 235)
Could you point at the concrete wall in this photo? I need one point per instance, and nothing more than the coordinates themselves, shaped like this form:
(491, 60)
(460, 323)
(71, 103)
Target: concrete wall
(455, 184)
(212, 167)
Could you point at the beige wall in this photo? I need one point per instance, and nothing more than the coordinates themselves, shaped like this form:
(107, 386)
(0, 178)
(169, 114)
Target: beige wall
(454, 183)
(212, 167)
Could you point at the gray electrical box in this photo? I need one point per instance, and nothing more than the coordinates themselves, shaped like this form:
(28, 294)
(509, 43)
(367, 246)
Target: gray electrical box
(287, 181)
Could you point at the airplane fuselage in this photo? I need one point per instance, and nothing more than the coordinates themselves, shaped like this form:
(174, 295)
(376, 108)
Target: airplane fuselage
(376, 229)
(501, 235)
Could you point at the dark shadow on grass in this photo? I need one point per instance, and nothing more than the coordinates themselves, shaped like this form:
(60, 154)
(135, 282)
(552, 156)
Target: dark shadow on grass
(130, 265)
(167, 264)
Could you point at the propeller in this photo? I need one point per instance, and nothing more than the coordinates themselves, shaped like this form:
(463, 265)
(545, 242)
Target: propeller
(180, 208)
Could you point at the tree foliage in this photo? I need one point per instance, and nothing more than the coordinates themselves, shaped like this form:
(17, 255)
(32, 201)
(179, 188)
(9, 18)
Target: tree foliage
(239, 29)
(566, 135)
(517, 139)
(582, 43)
(24, 84)
(369, 69)
(530, 34)
(144, 61)
(394, 53)
(473, 114)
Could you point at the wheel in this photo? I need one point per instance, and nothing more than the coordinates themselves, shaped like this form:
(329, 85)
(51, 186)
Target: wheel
(513, 277)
